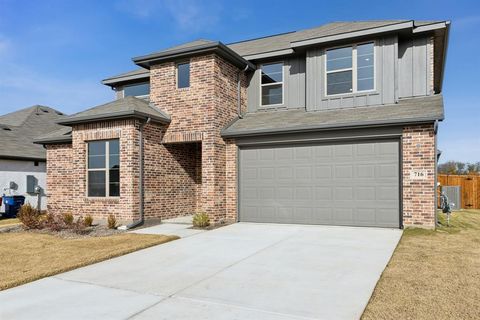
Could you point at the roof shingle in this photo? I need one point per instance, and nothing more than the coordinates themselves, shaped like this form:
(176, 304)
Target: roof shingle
(19, 129)
(414, 110)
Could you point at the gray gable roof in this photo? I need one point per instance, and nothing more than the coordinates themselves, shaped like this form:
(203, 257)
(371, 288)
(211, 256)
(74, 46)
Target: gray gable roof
(128, 107)
(282, 41)
(19, 129)
(190, 49)
(407, 111)
(249, 48)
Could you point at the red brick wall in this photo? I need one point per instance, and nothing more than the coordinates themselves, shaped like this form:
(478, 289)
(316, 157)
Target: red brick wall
(171, 176)
(125, 207)
(59, 178)
(418, 144)
(198, 114)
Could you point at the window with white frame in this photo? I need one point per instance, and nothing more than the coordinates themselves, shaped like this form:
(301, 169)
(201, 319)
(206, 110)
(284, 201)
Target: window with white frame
(103, 168)
(350, 69)
(271, 84)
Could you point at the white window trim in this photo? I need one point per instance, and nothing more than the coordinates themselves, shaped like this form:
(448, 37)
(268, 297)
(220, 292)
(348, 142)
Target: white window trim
(271, 84)
(106, 170)
(189, 74)
(353, 69)
(133, 84)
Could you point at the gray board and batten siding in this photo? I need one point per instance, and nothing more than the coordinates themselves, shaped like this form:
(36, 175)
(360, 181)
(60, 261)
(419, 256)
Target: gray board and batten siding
(402, 70)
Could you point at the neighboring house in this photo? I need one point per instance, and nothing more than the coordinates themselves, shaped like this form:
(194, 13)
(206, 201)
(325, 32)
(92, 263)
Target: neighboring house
(333, 125)
(20, 157)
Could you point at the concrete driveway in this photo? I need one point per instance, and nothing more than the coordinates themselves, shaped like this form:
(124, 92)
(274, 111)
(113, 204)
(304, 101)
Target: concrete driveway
(242, 271)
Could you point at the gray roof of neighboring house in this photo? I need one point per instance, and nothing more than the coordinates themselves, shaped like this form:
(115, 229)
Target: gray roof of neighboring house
(19, 129)
(415, 110)
(248, 49)
(128, 107)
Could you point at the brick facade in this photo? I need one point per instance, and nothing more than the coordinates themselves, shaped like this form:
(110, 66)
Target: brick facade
(418, 155)
(189, 167)
(59, 178)
(198, 114)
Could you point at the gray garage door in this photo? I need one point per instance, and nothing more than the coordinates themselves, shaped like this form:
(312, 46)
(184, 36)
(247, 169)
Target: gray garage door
(354, 184)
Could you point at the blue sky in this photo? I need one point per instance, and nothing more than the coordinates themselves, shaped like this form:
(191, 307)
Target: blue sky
(56, 52)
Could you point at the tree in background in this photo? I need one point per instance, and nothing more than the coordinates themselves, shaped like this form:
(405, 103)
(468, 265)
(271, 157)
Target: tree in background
(457, 167)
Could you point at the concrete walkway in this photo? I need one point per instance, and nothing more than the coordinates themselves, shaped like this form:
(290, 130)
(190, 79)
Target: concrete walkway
(179, 229)
(242, 271)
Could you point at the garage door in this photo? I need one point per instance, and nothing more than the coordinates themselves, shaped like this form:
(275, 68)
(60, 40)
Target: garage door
(355, 184)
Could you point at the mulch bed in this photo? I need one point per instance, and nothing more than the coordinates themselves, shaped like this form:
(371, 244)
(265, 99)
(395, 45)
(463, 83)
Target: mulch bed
(93, 231)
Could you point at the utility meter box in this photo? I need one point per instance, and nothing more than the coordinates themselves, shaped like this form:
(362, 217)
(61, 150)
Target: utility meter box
(31, 183)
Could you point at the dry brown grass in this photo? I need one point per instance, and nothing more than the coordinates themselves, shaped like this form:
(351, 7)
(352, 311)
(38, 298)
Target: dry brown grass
(9, 222)
(26, 256)
(432, 274)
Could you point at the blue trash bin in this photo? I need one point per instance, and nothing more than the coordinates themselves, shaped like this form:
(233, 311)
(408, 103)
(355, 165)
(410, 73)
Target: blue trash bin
(12, 205)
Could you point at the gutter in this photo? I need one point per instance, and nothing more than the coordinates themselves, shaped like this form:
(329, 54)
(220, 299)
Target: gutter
(445, 47)
(246, 133)
(141, 178)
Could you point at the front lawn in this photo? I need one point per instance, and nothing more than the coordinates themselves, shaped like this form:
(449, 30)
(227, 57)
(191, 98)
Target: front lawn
(4, 222)
(28, 256)
(432, 274)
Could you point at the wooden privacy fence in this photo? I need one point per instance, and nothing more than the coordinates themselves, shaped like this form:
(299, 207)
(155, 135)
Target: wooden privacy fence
(470, 188)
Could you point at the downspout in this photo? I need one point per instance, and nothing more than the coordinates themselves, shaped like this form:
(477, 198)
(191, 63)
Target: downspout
(140, 180)
(239, 93)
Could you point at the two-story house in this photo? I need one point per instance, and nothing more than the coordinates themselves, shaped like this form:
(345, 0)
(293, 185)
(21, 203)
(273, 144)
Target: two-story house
(332, 125)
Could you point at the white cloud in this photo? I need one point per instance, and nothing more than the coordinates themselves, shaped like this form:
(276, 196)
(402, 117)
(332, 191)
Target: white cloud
(189, 15)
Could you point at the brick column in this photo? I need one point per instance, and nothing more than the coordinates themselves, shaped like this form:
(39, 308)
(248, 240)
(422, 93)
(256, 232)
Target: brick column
(231, 180)
(418, 146)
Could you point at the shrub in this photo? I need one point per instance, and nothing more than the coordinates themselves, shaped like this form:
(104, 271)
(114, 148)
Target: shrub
(201, 220)
(111, 221)
(88, 221)
(54, 222)
(29, 217)
(68, 218)
(79, 225)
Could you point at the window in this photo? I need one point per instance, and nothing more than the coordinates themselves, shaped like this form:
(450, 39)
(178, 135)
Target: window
(103, 168)
(350, 69)
(137, 90)
(271, 84)
(183, 75)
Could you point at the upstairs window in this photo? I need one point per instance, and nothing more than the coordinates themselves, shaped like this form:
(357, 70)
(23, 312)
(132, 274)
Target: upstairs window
(136, 90)
(272, 84)
(103, 168)
(350, 69)
(183, 75)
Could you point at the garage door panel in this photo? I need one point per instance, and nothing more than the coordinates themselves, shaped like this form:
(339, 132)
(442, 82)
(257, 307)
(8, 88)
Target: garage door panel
(345, 184)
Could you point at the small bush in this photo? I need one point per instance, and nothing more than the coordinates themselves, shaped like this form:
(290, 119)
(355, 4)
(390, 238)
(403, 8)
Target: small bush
(201, 220)
(29, 217)
(54, 222)
(111, 221)
(68, 218)
(79, 225)
(88, 221)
